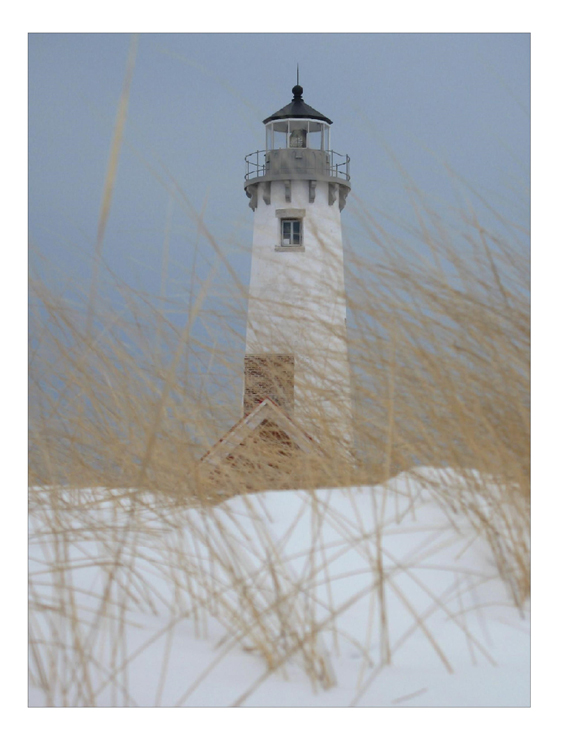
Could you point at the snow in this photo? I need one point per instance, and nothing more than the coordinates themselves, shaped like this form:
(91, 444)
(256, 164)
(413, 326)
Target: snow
(163, 606)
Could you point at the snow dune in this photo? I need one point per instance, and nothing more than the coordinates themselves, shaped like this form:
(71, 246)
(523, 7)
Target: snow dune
(384, 595)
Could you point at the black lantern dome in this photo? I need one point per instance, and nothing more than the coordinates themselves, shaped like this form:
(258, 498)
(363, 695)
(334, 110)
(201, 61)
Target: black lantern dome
(298, 109)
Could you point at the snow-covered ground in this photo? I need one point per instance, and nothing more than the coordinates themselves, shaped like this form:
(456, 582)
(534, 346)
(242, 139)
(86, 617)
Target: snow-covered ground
(274, 599)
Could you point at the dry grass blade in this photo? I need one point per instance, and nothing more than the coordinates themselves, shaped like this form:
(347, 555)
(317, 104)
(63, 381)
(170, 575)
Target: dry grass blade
(143, 544)
(111, 177)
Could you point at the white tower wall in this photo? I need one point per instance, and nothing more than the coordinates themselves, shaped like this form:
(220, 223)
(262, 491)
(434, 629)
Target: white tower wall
(297, 302)
(296, 349)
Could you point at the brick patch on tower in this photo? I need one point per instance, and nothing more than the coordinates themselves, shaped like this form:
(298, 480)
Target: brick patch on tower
(269, 376)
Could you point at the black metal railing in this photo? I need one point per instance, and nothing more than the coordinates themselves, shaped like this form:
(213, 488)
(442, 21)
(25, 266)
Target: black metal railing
(335, 165)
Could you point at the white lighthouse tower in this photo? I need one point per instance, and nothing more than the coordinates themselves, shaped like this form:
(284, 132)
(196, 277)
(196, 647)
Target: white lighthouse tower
(296, 344)
(297, 395)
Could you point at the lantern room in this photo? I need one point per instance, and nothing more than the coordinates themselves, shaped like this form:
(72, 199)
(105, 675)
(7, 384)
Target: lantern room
(298, 147)
(298, 126)
(298, 133)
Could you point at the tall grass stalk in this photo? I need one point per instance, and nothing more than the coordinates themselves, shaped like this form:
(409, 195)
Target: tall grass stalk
(122, 410)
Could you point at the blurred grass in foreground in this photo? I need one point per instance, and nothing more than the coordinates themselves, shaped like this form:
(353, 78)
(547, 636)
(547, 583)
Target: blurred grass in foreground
(439, 351)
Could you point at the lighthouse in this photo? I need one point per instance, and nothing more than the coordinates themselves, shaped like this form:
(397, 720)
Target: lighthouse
(297, 389)
(296, 341)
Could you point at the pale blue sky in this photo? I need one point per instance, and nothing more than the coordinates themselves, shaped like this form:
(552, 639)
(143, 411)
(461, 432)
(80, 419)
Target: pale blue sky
(196, 108)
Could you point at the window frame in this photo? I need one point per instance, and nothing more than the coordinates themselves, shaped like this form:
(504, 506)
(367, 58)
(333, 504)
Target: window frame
(293, 222)
(292, 215)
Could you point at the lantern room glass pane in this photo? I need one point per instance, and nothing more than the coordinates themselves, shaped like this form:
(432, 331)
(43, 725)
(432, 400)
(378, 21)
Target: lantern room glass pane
(279, 140)
(295, 133)
(298, 138)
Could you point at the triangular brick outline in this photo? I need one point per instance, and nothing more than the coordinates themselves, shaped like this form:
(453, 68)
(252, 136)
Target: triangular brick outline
(246, 425)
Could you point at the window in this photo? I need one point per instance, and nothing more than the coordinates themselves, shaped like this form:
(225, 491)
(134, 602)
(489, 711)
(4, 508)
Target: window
(291, 229)
(291, 232)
